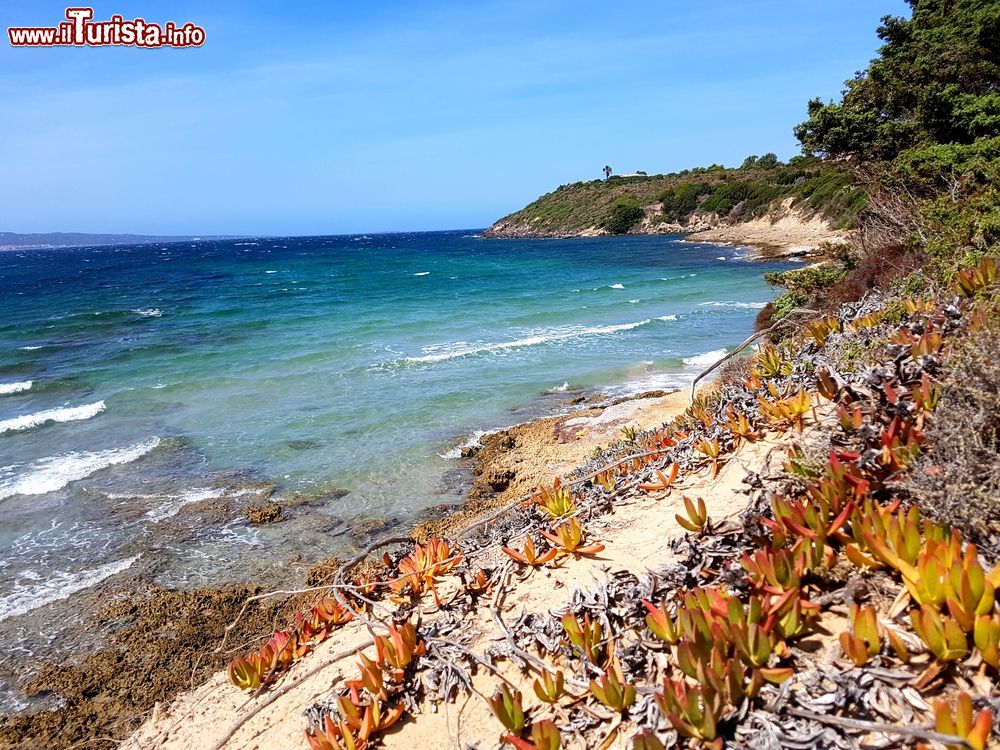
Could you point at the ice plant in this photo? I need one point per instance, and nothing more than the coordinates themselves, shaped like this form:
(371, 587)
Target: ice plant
(646, 741)
(549, 688)
(663, 481)
(661, 624)
(986, 636)
(557, 502)
(334, 736)
(529, 556)
(863, 641)
(696, 519)
(506, 706)
(544, 736)
(568, 539)
(973, 281)
(692, 711)
(587, 636)
(612, 690)
(974, 729)
(397, 650)
(740, 428)
(418, 571)
(942, 635)
(770, 363)
(712, 450)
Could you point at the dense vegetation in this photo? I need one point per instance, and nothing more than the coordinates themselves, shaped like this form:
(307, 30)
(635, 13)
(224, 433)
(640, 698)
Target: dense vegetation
(920, 129)
(934, 82)
(625, 214)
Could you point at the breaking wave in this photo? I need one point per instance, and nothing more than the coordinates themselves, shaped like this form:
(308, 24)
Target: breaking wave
(68, 414)
(463, 349)
(60, 586)
(55, 472)
(8, 388)
(706, 358)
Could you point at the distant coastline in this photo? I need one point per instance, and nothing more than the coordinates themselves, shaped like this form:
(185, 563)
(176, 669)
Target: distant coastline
(783, 233)
(55, 240)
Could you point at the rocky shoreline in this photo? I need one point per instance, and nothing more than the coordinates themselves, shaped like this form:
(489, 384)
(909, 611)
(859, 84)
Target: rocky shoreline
(512, 462)
(783, 232)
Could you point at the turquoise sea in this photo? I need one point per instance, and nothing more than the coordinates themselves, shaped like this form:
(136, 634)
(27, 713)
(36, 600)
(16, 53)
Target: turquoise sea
(140, 383)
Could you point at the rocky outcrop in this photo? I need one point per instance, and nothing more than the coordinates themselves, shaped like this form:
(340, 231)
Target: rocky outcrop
(782, 231)
(509, 229)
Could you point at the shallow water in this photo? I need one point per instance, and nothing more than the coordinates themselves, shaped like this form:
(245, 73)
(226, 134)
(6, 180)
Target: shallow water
(138, 380)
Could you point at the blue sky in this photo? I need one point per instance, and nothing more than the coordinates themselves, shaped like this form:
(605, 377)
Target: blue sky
(335, 116)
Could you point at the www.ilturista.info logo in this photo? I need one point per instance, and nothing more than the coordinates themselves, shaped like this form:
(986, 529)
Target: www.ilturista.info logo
(80, 30)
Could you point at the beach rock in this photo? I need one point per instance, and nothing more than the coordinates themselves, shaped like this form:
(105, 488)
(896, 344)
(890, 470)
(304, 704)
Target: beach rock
(314, 499)
(301, 445)
(364, 529)
(499, 479)
(323, 573)
(503, 440)
(163, 640)
(261, 514)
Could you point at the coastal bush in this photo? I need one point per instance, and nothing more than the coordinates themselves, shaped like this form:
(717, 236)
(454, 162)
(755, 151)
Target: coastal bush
(932, 167)
(819, 188)
(959, 480)
(934, 81)
(833, 193)
(876, 269)
(680, 201)
(766, 161)
(625, 214)
(806, 287)
(749, 196)
(822, 188)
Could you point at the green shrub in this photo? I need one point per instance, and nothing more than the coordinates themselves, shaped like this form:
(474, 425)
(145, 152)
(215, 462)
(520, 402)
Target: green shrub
(959, 479)
(807, 281)
(680, 201)
(625, 214)
(933, 81)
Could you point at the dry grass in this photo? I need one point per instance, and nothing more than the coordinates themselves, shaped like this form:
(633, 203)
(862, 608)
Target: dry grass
(876, 269)
(958, 481)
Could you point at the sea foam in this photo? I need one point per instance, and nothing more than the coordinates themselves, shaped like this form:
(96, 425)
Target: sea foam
(173, 506)
(8, 388)
(730, 303)
(60, 586)
(462, 349)
(68, 414)
(471, 442)
(55, 472)
(706, 358)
